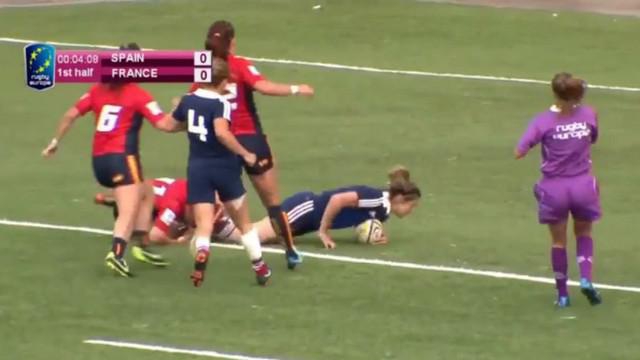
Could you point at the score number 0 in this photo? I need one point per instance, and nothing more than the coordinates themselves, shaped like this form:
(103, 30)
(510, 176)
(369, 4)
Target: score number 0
(202, 58)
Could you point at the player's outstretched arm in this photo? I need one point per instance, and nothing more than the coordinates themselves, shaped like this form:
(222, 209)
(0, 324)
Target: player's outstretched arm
(266, 87)
(226, 138)
(336, 203)
(169, 124)
(64, 125)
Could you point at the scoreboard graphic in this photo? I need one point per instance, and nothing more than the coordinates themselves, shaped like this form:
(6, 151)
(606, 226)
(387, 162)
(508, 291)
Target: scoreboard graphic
(45, 66)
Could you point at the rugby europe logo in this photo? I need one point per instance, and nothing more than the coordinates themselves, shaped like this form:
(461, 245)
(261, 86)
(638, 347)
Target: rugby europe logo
(576, 130)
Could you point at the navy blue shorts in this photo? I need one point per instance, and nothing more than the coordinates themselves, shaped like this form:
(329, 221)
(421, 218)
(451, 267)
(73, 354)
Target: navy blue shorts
(205, 178)
(113, 170)
(300, 209)
(257, 144)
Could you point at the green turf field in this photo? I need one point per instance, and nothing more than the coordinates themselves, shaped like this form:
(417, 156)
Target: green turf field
(455, 135)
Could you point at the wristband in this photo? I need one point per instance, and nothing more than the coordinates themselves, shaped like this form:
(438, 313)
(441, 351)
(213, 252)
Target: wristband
(295, 89)
(54, 142)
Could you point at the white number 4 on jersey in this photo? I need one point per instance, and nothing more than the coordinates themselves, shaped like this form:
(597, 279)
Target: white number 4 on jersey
(196, 125)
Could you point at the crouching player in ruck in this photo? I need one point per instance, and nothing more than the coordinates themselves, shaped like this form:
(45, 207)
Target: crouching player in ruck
(214, 167)
(172, 215)
(568, 186)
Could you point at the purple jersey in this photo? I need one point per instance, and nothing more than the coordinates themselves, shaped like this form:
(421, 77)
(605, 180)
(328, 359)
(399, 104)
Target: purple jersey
(566, 140)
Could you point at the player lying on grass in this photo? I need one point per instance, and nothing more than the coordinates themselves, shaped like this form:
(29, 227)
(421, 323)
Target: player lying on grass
(343, 208)
(566, 132)
(119, 108)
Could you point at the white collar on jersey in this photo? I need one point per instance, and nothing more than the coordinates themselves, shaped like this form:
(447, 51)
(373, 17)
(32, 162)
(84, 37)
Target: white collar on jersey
(207, 94)
(386, 203)
(554, 108)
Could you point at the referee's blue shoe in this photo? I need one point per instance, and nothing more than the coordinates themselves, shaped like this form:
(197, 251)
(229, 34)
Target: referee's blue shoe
(563, 302)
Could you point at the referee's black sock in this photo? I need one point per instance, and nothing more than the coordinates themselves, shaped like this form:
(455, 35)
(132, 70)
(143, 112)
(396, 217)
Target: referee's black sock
(280, 223)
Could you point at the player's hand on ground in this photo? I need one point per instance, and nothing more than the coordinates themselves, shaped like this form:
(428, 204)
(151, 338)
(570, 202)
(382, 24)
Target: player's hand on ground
(383, 240)
(50, 149)
(306, 90)
(326, 240)
(250, 159)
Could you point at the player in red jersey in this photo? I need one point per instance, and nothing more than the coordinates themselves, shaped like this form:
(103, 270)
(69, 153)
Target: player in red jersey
(172, 215)
(119, 108)
(173, 220)
(246, 126)
(170, 208)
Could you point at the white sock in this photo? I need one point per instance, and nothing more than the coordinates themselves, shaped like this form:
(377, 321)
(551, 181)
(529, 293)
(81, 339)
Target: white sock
(202, 243)
(251, 243)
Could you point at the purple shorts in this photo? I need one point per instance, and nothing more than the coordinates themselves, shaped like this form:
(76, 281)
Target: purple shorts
(557, 197)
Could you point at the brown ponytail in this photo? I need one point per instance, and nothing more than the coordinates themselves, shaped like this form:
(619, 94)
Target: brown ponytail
(400, 184)
(219, 38)
(568, 88)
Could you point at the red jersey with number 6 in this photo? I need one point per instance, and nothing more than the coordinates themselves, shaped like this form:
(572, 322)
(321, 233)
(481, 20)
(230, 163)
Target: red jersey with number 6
(242, 79)
(119, 112)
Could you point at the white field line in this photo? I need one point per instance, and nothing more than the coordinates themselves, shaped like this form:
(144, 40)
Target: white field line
(350, 67)
(349, 259)
(64, 3)
(173, 350)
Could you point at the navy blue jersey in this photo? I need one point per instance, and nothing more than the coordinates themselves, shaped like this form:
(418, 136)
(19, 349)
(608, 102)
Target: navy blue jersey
(372, 204)
(199, 109)
(305, 209)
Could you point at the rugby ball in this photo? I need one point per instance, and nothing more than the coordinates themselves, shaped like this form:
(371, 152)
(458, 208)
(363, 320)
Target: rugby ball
(369, 231)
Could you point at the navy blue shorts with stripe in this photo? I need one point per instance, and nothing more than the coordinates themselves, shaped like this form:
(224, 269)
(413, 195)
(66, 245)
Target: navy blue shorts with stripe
(205, 178)
(300, 209)
(113, 170)
(257, 144)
